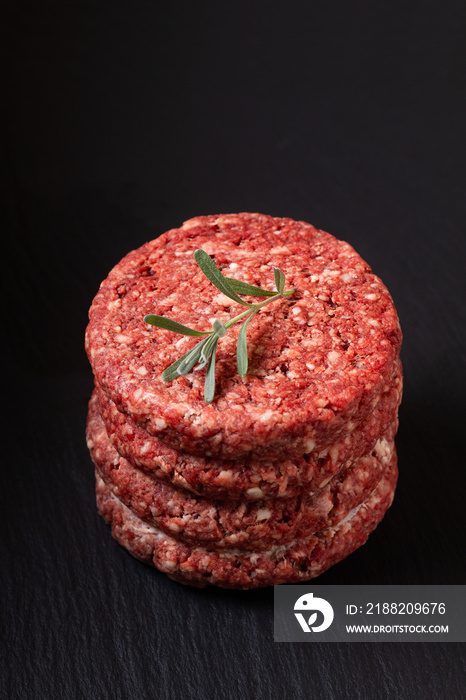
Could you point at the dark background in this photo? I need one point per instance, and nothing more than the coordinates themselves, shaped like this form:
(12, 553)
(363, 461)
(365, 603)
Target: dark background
(123, 120)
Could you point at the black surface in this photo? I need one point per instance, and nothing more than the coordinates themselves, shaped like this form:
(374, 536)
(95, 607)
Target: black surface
(126, 118)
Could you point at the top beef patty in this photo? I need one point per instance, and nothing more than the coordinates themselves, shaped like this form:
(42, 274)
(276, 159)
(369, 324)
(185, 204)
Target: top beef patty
(316, 359)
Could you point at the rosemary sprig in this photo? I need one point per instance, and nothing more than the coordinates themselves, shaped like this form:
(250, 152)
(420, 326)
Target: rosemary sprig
(204, 352)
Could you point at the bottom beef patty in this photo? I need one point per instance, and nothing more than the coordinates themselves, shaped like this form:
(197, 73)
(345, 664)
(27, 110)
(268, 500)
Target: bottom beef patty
(299, 560)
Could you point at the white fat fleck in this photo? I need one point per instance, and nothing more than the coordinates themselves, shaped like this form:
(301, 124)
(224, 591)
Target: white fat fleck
(374, 322)
(333, 356)
(281, 249)
(347, 277)
(169, 564)
(122, 338)
(371, 297)
(333, 452)
(234, 266)
(240, 510)
(209, 247)
(224, 476)
(266, 416)
(145, 447)
(310, 366)
(222, 300)
(255, 492)
(160, 424)
(350, 515)
(142, 371)
(308, 446)
(138, 393)
(190, 223)
(382, 448)
(141, 530)
(263, 514)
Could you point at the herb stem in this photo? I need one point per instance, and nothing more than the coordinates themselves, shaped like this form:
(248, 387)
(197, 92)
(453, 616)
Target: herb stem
(256, 307)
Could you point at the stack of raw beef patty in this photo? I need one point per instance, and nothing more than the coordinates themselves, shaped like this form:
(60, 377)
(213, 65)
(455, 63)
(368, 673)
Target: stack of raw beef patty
(291, 467)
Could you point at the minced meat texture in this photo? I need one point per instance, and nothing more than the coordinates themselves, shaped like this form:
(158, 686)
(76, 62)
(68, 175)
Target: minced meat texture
(300, 560)
(252, 480)
(316, 360)
(225, 524)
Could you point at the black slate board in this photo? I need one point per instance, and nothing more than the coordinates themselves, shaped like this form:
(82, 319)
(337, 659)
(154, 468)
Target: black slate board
(125, 120)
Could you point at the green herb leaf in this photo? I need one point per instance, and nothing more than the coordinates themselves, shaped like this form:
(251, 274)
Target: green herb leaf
(190, 357)
(242, 348)
(279, 279)
(218, 328)
(209, 384)
(206, 351)
(213, 274)
(169, 325)
(189, 362)
(245, 288)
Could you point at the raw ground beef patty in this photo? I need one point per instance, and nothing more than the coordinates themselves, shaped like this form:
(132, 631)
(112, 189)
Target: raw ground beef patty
(225, 524)
(317, 360)
(297, 561)
(248, 481)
